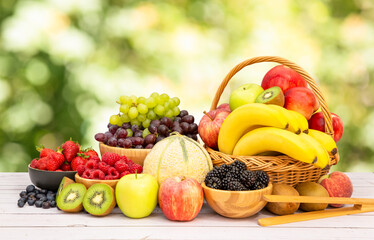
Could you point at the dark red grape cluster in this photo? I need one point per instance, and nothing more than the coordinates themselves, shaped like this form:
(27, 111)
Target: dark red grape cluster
(134, 136)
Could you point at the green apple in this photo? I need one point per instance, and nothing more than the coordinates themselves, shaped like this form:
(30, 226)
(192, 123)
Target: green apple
(136, 195)
(246, 93)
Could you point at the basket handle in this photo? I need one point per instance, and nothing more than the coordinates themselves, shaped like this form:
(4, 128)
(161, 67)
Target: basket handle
(315, 88)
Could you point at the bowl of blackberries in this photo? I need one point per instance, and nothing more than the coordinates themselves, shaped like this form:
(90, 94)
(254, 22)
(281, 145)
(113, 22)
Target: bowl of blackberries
(136, 140)
(235, 192)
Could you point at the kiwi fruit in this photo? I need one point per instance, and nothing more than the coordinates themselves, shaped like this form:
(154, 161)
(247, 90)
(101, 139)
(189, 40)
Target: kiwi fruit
(273, 95)
(283, 208)
(64, 182)
(71, 197)
(312, 189)
(99, 199)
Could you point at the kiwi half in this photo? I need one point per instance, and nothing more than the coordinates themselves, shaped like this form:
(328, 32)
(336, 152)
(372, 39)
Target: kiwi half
(273, 95)
(64, 182)
(71, 197)
(99, 199)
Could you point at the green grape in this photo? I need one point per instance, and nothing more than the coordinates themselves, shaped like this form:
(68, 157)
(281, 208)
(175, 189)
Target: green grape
(154, 95)
(169, 113)
(171, 103)
(165, 97)
(142, 108)
(130, 133)
(125, 118)
(167, 106)
(133, 99)
(141, 117)
(124, 108)
(176, 101)
(146, 123)
(125, 99)
(160, 101)
(114, 120)
(176, 111)
(135, 122)
(150, 102)
(151, 115)
(146, 132)
(141, 99)
(133, 112)
(159, 110)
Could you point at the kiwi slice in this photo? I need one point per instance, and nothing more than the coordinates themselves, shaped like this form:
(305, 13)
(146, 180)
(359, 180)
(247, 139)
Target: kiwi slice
(71, 197)
(64, 182)
(99, 199)
(273, 95)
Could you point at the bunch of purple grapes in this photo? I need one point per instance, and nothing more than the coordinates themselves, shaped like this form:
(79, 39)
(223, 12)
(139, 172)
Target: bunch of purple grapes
(135, 136)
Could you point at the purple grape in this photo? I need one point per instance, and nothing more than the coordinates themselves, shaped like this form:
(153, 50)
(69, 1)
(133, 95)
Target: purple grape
(163, 130)
(167, 122)
(121, 133)
(139, 146)
(152, 128)
(138, 133)
(175, 124)
(177, 129)
(109, 125)
(183, 113)
(177, 119)
(137, 141)
(185, 127)
(108, 135)
(193, 136)
(126, 125)
(113, 129)
(188, 119)
(127, 143)
(121, 142)
(193, 128)
(149, 139)
(112, 141)
(156, 122)
(159, 138)
(149, 146)
(134, 128)
(100, 137)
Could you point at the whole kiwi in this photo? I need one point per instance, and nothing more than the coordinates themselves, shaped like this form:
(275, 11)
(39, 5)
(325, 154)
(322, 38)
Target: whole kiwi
(283, 208)
(312, 189)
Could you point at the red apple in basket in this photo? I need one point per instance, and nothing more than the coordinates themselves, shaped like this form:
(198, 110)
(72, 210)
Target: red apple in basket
(317, 122)
(283, 77)
(210, 125)
(302, 100)
(180, 198)
(337, 184)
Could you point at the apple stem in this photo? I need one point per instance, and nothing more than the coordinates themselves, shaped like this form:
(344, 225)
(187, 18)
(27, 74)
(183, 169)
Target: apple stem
(207, 114)
(136, 174)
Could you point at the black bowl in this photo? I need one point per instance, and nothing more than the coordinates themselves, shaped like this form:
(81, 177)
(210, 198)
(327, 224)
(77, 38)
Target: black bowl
(48, 179)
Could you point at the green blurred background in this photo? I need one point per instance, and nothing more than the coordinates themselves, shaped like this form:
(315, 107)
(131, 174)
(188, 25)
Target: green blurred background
(64, 63)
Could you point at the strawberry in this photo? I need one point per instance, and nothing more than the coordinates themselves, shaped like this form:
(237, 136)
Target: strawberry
(90, 153)
(78, 160)
(70, 150)
(41, 164)
(33, 163)
(44, 152)
(66, 167)
(58, 156)
(52, 163)
(110, 158)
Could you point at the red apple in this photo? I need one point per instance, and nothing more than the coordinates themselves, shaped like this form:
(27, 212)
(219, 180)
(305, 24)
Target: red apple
(180, 198)
(283, 77)
(300, 99)
(337, 184)
(224, 106)
(209, 127)
(317, 122)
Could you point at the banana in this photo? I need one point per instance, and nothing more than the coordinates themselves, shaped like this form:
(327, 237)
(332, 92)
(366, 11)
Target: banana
(274, 139)
(326, 140)
(323, 158)
(293, 122)
(244, 119)
(303, 123)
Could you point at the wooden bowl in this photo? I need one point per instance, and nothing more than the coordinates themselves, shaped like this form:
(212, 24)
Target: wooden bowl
(136, 155)
(236, 204)
(89, 182)
(48, 179)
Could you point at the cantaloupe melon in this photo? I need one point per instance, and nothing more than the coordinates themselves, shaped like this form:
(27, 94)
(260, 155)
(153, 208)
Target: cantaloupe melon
(177, 155)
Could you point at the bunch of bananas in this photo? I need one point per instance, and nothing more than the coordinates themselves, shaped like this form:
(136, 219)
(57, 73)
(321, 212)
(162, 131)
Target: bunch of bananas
(260, 129)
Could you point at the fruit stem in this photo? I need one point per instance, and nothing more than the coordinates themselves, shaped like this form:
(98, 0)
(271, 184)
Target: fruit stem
(136, 174)
(207, 114)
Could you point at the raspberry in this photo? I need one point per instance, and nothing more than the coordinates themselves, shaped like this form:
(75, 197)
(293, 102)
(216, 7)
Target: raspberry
(113, 172)
(110, 158)
(91, 164)
(87, 174)
(81, 169)
(124, 174)
(103, 167)
(123, 158)
(121, 166)
(95, 158)
(109, 177)
(135, 168)
(98, 174)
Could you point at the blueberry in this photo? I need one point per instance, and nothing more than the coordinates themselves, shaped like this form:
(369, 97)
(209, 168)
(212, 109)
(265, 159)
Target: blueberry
(43, 191)
(53, 203)
(30, 188)
(50, 197)
(50, 192)
(23, 194)
(31, 194)
(46, 205)
(43, 199)
(32, 197)
(21, 202)
(37, 191)
(38, 204)
(40, 195)
(31, 202)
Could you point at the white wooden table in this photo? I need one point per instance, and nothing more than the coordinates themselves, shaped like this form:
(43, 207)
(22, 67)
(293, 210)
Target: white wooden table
(30, 222)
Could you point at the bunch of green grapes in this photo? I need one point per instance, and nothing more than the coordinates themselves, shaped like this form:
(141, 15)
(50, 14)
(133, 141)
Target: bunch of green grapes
(141, 111)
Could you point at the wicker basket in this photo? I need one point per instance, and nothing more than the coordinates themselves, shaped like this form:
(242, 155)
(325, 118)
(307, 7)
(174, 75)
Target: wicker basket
(281, 169)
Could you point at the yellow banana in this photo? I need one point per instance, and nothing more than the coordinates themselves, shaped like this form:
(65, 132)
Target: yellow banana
(303, 123)
(274, 139)
(323, 158)
(293, 122)
(326, 140)
(244, 119)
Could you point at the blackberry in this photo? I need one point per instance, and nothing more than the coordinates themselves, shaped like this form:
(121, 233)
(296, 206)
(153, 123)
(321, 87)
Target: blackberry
(236, 186)
(240, 165)
(214, 182)
(213, 173)
(236, 171)
(258, 185)
(225, 182)
(262, 177)
(248, 179)
(233, 176)
(224, 169)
